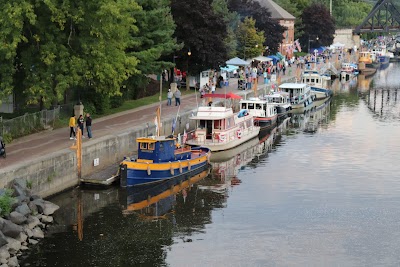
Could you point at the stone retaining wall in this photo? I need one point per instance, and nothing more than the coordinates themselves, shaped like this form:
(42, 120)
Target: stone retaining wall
(57, 171)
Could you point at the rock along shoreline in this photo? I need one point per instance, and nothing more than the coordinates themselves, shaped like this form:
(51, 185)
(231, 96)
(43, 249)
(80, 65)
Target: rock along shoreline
(25, 225)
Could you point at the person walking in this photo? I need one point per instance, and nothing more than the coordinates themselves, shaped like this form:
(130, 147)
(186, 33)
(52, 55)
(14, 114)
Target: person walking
(88, 122)
(72, 125)
(177, 95)
(169, 97)
(81, 121)
(212, 88)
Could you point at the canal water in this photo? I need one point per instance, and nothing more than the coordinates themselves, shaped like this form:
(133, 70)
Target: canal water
(322, 189)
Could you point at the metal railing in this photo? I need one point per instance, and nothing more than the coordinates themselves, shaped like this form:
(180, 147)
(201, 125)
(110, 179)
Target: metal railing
(29, 123)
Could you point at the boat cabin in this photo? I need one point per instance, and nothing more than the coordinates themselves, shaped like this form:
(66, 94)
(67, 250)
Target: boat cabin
(209, 119)
(315, 79)
(296, 90)
(366, 57)
(258, 107)
(280, 98)
(160, 149)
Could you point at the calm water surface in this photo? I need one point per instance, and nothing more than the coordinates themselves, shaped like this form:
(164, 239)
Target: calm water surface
(296, 198)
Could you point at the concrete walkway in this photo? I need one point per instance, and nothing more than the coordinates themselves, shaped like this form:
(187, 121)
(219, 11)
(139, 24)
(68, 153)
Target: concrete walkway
(36, 145)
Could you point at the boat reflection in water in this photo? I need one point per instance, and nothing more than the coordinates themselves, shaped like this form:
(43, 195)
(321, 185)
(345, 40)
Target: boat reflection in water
(154, 202)
(310, 120)
(227, 164)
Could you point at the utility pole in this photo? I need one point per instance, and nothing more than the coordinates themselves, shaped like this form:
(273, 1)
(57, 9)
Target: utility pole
(330, 7)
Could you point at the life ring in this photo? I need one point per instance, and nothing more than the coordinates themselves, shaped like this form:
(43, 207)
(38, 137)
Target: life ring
(222, 137)
(239, 133)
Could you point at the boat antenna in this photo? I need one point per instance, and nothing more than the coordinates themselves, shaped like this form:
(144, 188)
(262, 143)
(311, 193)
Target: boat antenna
(159, 113)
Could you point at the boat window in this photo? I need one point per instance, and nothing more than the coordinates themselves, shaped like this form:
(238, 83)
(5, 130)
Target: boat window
(308, 80)
(317, 81)
(151, 146)
(218, 125)
(312, 80)
(143, 145)
(250, 105)
(258, 106)
(244, 106)
(202, 124)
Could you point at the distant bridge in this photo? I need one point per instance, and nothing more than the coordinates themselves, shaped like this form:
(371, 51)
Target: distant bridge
(384, 17)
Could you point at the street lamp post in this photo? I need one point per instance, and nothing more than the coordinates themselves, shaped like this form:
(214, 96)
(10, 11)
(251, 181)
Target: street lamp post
(309, 41)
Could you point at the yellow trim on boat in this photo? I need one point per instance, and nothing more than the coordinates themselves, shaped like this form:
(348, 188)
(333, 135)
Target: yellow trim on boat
(163, 166)
(145, 160)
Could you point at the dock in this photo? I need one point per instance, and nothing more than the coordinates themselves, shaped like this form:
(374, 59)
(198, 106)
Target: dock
(105, 177)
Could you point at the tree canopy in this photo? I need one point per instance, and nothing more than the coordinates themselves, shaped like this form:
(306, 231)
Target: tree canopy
(202, 32)
(272, 29)
(250, 41)
(318, 26)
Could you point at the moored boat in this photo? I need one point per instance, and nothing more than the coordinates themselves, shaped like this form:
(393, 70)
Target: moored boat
(265, 114)
(369, 59)
(219, 128)
(301, 98)
(161, 158)
(281, 101)
(320, 85)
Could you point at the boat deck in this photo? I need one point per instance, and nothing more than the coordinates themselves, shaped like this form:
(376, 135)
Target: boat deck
(106, 176)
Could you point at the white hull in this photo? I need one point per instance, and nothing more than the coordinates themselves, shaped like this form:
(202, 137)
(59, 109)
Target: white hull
(216, 145)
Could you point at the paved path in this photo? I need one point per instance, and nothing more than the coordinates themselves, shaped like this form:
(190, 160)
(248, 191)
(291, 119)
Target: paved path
(39, 144)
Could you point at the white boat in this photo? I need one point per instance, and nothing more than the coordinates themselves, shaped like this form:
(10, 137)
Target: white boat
(320, 85)
(265, 114)
(218, 128)
(348, 71)
(300, 95)
(281, 101)
(315, 79)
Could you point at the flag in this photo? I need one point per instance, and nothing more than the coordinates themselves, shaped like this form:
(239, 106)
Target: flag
(179, 139)
(157, 121)
(184, 136)
(297, 45)
(173, 125)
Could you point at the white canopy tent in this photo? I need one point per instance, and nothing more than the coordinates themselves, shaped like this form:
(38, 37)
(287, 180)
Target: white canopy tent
(236, 62)
(262, 58)
(337, 45)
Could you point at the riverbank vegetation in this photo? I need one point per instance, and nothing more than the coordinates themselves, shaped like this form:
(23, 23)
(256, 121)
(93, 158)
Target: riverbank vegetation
(102, 53)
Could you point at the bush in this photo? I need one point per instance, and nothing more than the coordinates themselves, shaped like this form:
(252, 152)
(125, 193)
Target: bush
(116, 101)
(6, 201)
(7, 137)
(89, 108)
(101, 103)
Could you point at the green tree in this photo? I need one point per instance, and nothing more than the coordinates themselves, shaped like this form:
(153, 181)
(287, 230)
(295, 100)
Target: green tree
(152, 42)
(272, 29)
(350, 13)
(57, 45)
(202, 32)
(13, 15)
(317, 22)
(232, 20)
(250, 41)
